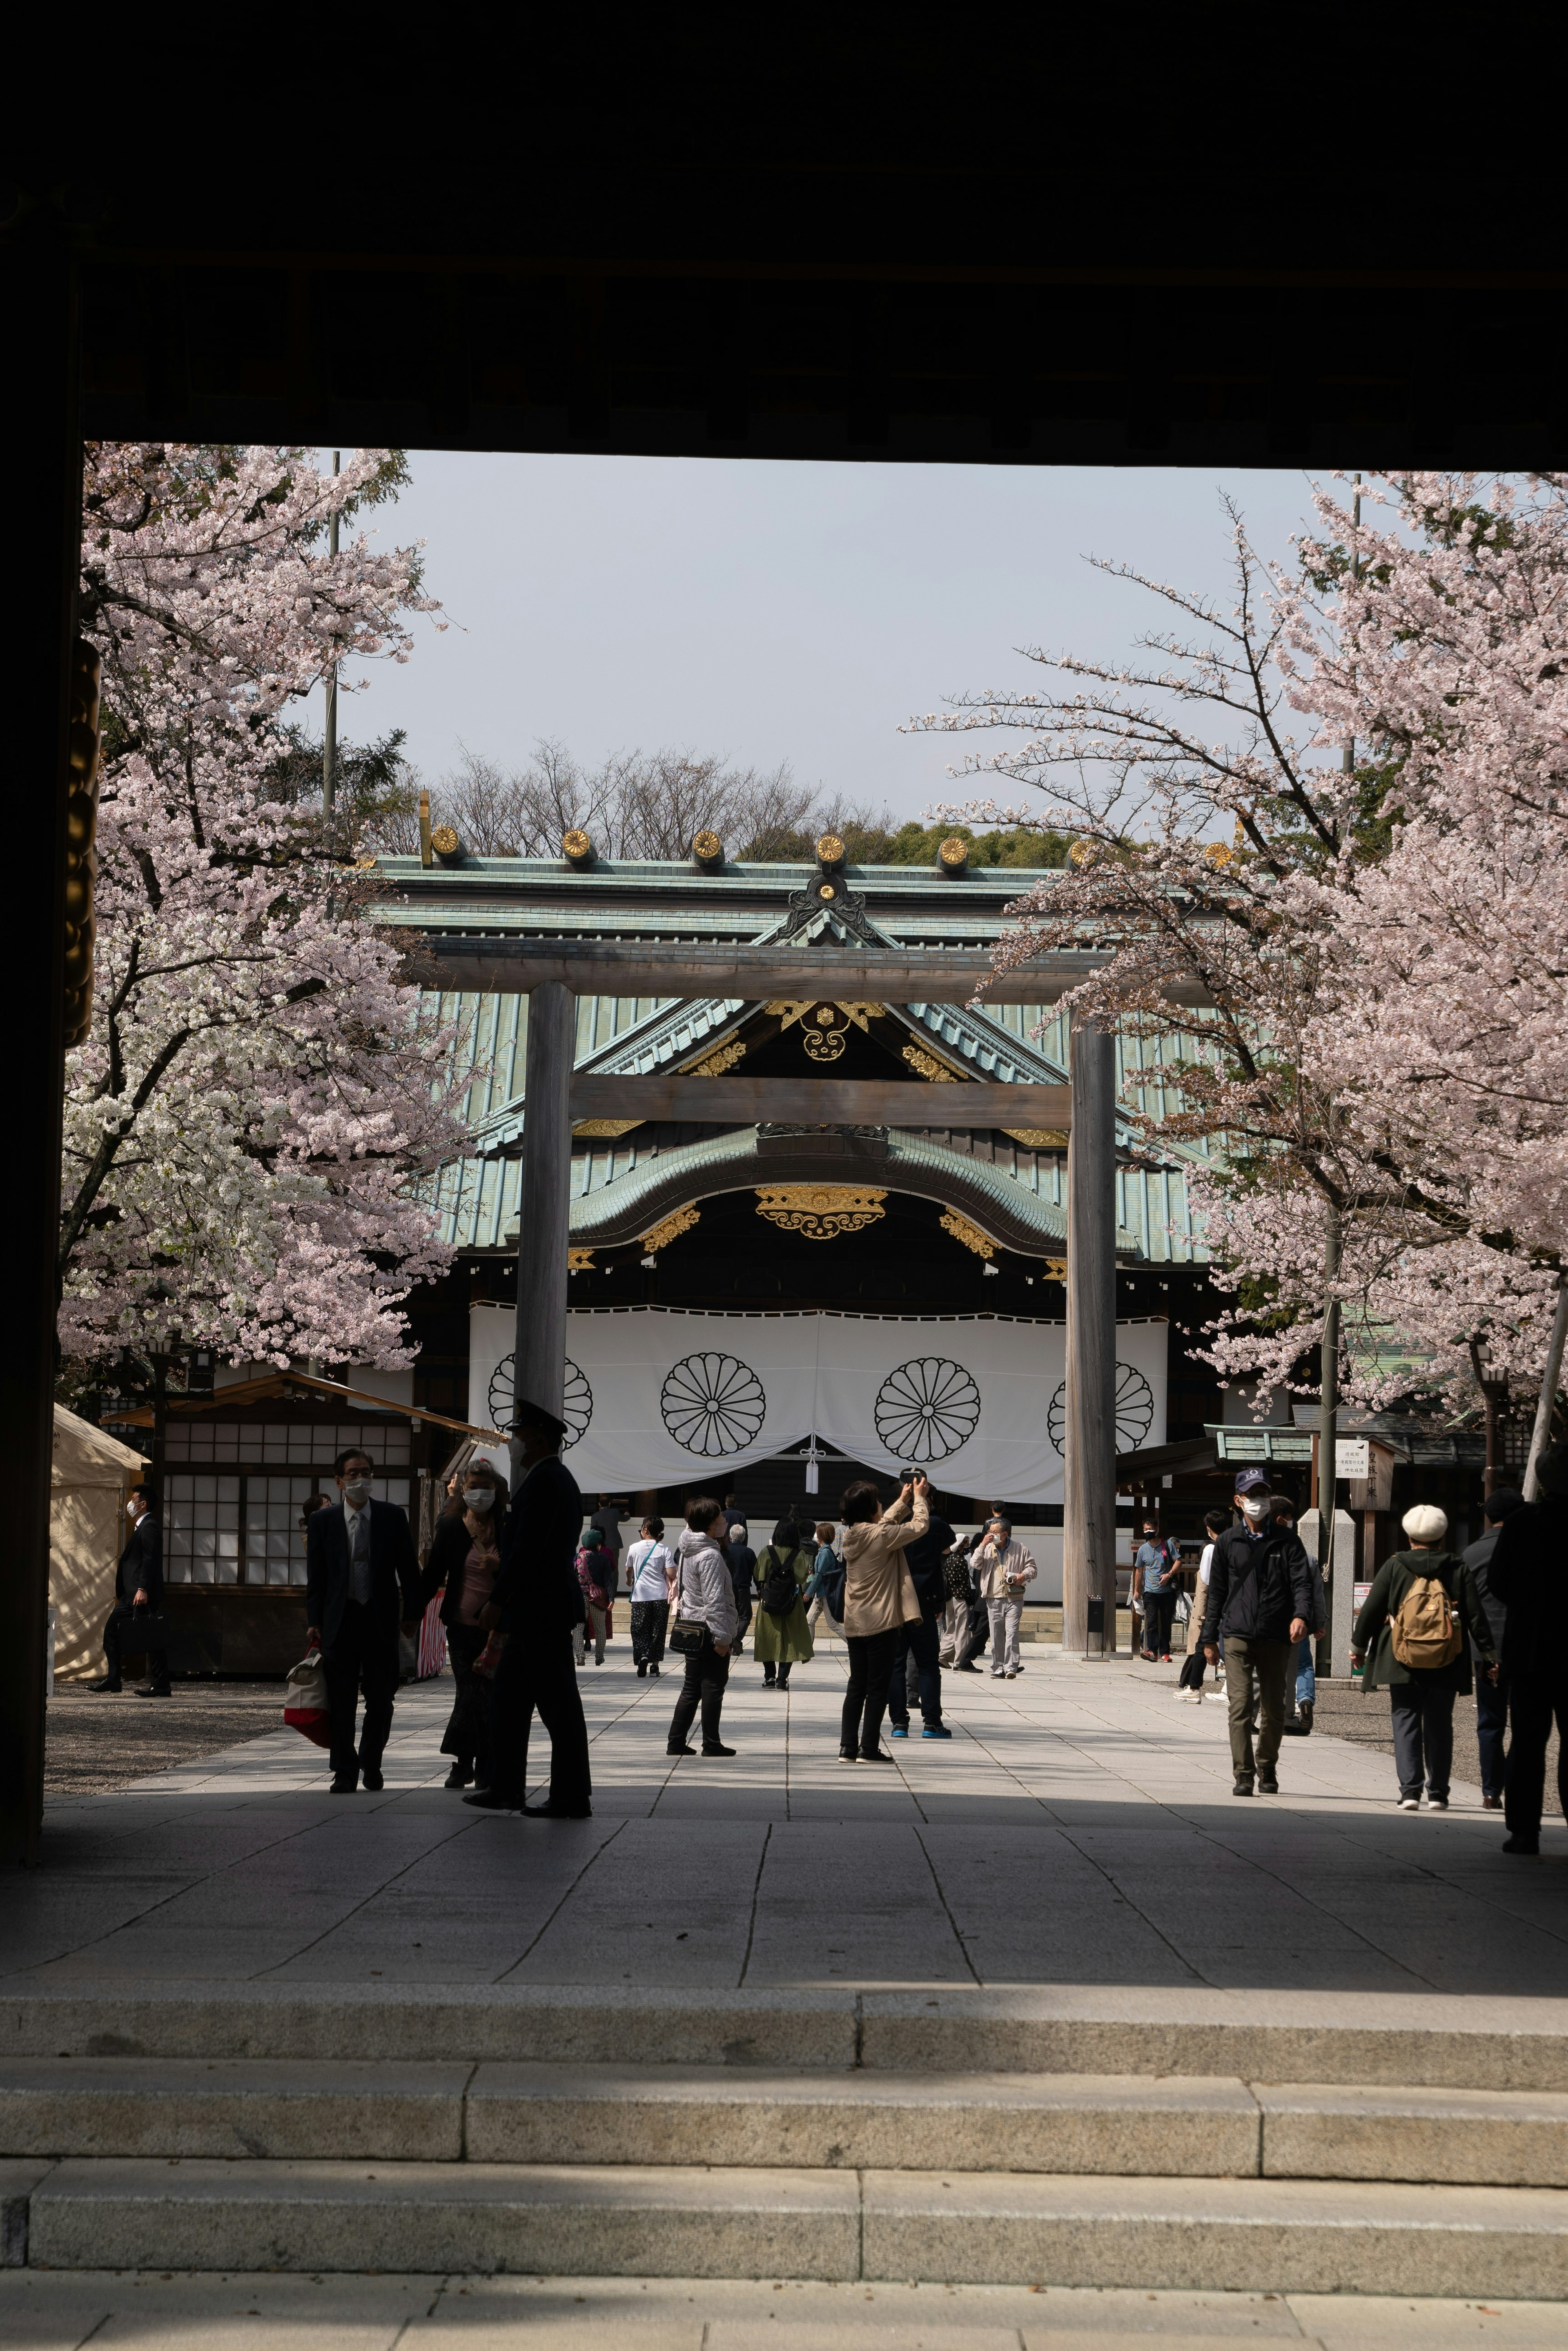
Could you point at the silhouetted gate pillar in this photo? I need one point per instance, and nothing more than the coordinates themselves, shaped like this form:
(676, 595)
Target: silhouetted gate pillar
(544, 1209)
(1089, 1516)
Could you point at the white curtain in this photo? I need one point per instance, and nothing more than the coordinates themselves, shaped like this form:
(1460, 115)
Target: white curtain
(657, 1397)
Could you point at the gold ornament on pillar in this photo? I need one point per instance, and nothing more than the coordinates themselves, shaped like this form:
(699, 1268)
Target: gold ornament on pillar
(82, 824)
(820, 1212)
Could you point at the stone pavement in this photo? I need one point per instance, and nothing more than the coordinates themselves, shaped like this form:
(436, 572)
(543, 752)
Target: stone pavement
(40, 2311)
(1078, 1830)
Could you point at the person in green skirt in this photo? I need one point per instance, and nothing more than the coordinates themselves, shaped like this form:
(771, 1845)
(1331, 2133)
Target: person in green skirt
(781, 1638)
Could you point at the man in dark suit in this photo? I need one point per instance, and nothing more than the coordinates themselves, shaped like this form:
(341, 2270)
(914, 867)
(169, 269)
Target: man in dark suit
(536, 1602)
(361, 1579)
(138, 1585)
(1527, 1573)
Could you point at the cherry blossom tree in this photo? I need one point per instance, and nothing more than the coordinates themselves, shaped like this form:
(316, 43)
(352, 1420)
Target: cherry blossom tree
(1288, 841)
(248, 1123)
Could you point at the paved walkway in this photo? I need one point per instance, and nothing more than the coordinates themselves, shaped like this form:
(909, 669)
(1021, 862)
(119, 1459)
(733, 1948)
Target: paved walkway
(1078, 1829)
(66, 2311)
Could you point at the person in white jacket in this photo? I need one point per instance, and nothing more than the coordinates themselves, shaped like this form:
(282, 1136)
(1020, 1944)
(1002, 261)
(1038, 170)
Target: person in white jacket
(703, 1595)
(1004, 1568)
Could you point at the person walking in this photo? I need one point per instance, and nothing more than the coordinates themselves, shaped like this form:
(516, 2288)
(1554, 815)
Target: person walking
(534, 1611)
(827, 1574)
(1528, 1572)
(879, 1597)
(1491, 1696)
(463, 1563)
(704, 1602)
(957, 1584)
(742, 1561)
(1303, 1696)
(918, 1650)
(1190, 1687)
(593, 1576)
(137, 1585)
(1422, 1604)
(361, 1580)
(1259, 1601)
(1156, 1566)
(649, 1565)
(1005, 1569)
(780, 1575)
(607, 1518)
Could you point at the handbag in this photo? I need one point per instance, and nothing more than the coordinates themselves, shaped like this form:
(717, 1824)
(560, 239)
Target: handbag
(305, 1706)
(147, 1629)
(686, 1633)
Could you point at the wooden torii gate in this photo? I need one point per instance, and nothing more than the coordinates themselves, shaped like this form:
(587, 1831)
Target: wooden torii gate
(554, 973)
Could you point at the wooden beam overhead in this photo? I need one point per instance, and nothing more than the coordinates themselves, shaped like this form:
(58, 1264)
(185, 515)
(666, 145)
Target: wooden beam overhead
(735, 1100)
(508, 966)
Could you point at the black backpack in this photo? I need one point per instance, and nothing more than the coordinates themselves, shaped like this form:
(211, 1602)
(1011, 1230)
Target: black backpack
(780, 1590)
(956, 1575)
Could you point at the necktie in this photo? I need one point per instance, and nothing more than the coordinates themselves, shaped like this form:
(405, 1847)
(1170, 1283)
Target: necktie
(359, 1558)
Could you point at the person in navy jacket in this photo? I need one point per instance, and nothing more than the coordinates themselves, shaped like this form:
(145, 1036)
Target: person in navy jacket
(361, 1581)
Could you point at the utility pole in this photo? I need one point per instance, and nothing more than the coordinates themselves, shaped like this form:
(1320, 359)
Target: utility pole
(329, 747)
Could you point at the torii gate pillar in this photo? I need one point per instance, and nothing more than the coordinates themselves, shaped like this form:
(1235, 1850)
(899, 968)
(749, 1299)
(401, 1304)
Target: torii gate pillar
(539, 1362)
(1089, 1516)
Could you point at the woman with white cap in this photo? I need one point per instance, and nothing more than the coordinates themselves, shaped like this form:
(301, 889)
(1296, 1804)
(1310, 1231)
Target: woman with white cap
(1422, 1604)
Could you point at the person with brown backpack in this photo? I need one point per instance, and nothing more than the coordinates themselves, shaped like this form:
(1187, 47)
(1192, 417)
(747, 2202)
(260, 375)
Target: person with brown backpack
(1422, 1604)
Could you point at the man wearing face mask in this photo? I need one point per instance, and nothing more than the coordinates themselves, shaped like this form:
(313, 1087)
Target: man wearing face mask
(139, 1584)
(361, 1577)
(1261, 1599)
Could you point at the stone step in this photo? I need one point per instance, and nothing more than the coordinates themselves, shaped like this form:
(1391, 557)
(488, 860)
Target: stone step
(1196, 2127)
(1431, 2040)
(973, 2228)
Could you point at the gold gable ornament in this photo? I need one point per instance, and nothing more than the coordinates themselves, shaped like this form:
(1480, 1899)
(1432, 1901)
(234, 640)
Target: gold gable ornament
(970, 1234)
(928, 1066)
(605, 1129)
(1037, 1138)
(825, 1028)
(714, 1064)
(668, 1229)
(579, 1261)
(820, 1212)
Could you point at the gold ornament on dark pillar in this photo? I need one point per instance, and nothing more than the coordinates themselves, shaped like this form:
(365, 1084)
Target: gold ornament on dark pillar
(82, 824)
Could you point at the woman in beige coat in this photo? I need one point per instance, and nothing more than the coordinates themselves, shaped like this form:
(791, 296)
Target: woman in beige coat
(879, 1597)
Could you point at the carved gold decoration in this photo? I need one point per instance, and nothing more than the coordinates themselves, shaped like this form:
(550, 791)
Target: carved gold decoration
(1056, 1269)
(85, 743)
(714, 1064)
(824, 1027)
(577, 847)
(970, 1234)
(820, 1211)
(1038, 1138)
(827, 890)
(706, 848)
(954, 853)
(830, 849)
(607, 1127)
(930, 1067)
(670, 1229)
(579, 1261)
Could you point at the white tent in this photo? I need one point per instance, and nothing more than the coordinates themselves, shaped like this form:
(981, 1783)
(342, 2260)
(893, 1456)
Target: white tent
(92, 1473)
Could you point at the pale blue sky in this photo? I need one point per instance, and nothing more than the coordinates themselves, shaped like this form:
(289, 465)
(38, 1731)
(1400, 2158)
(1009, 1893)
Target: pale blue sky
(773, 611)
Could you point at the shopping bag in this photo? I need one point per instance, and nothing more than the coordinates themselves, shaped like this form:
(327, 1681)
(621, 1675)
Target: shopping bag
(305, 1706)
(432, 1641)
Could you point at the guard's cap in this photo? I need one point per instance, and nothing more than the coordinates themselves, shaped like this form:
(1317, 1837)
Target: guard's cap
(528, 1414)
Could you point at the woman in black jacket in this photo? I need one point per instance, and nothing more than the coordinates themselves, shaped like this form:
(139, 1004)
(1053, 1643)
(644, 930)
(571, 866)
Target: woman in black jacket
(465, 1557)
(1421, 1696)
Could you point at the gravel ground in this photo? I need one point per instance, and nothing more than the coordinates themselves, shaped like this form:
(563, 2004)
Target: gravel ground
(97, 1740)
